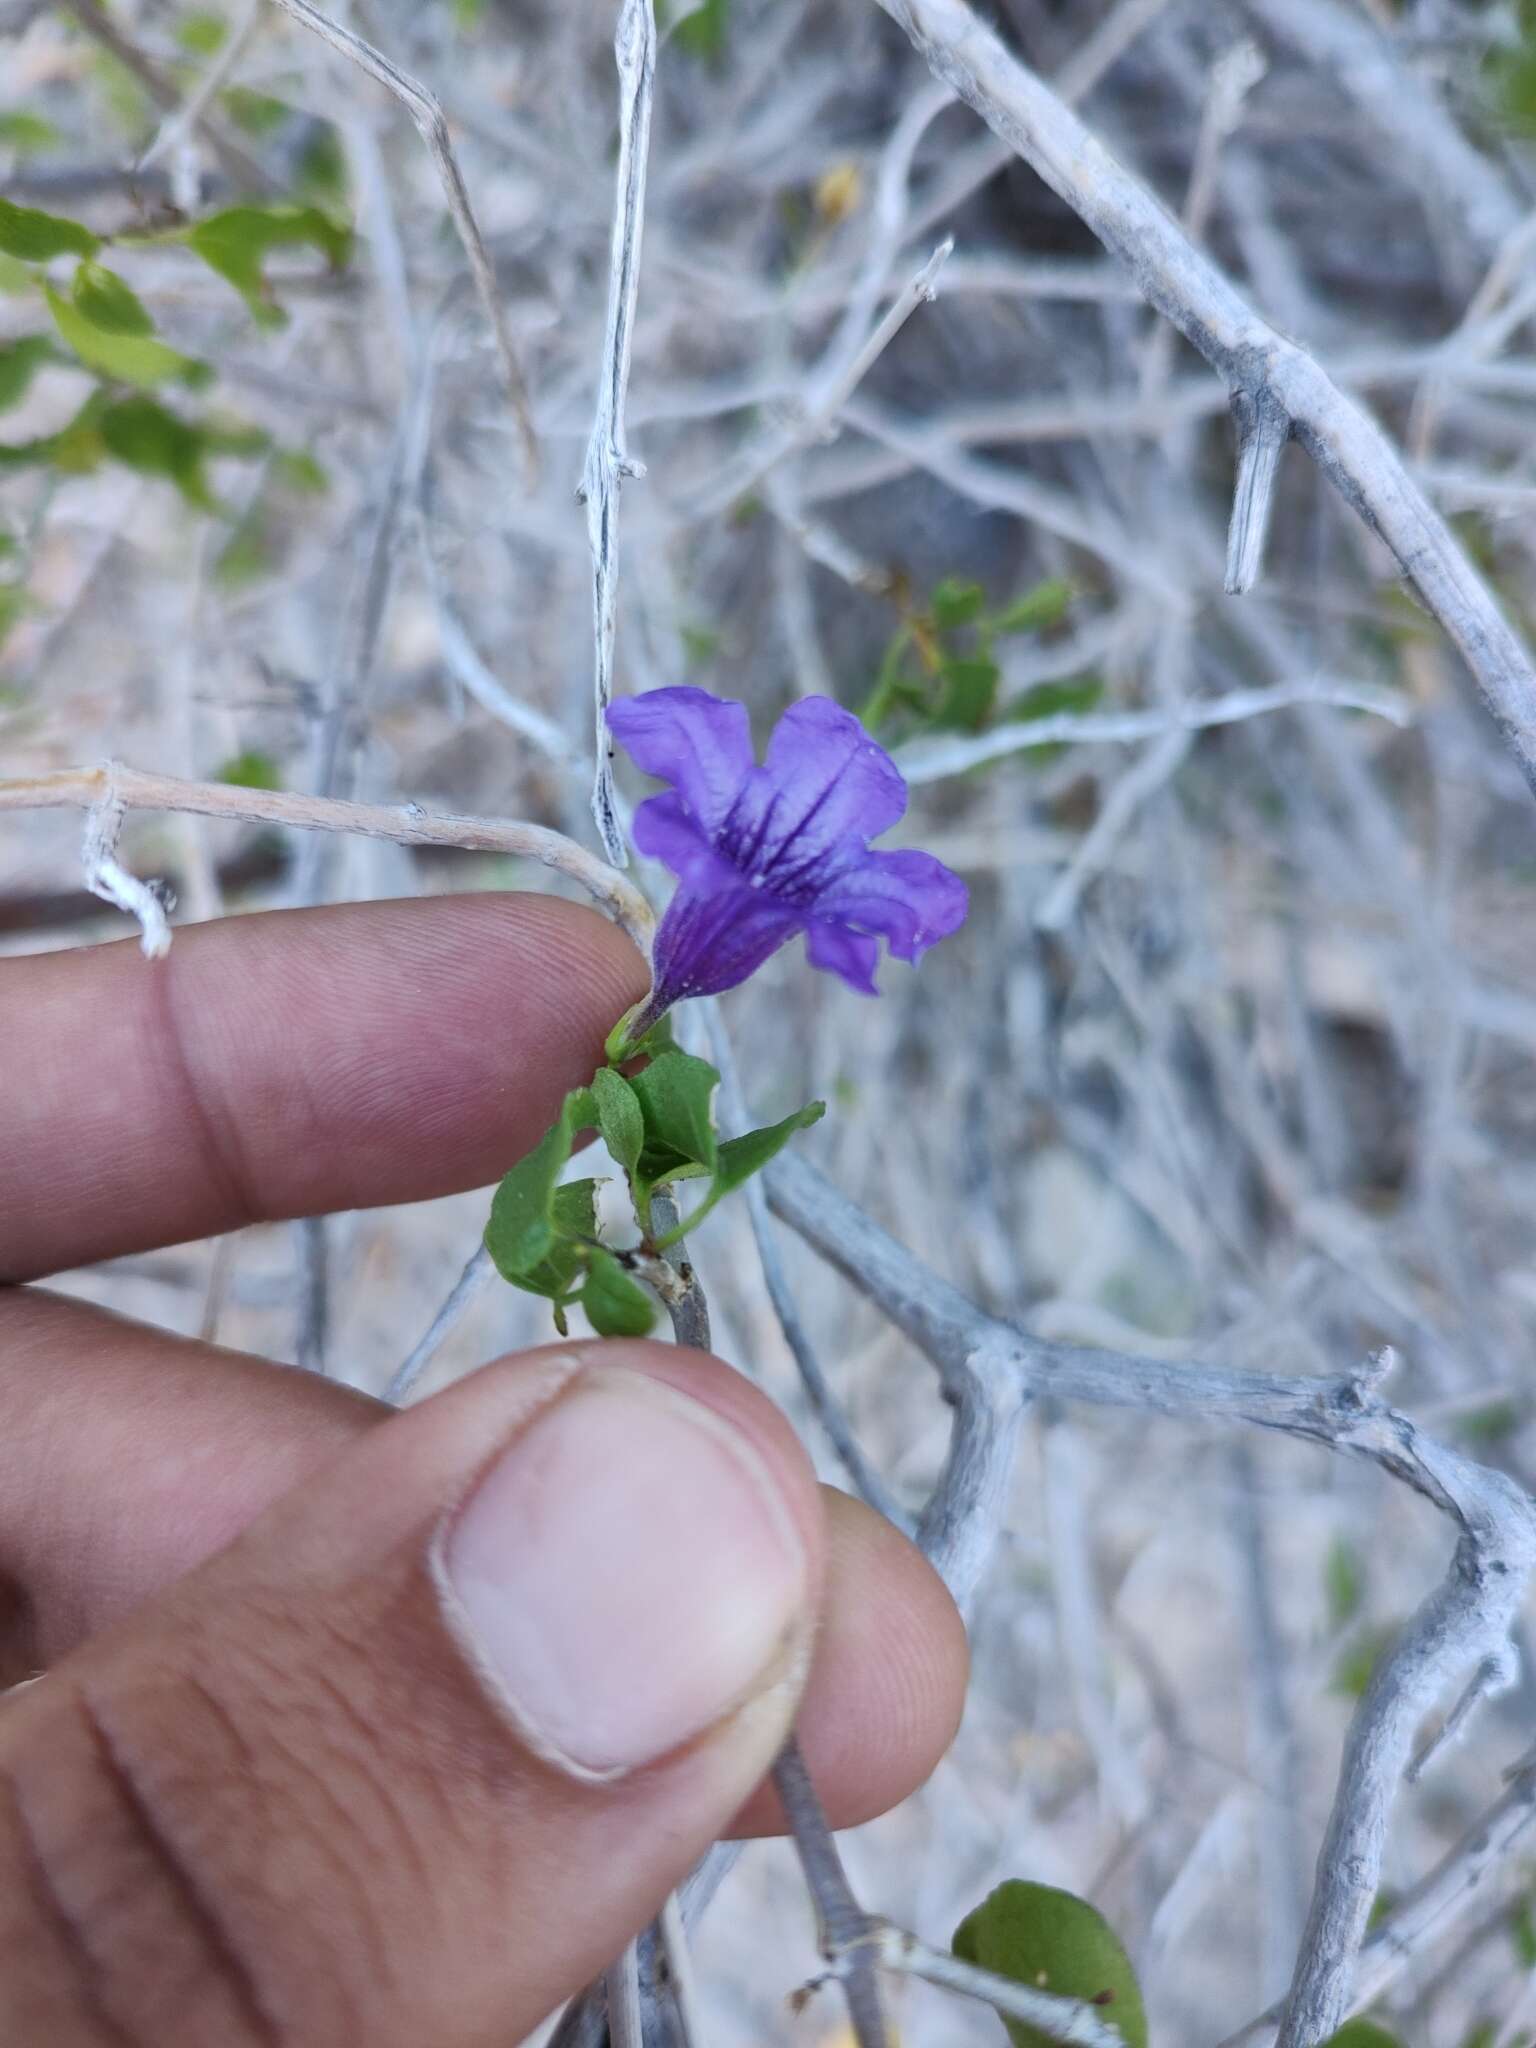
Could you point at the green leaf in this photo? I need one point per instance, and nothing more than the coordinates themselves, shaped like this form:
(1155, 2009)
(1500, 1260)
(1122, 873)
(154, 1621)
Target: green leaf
(616, 1305)
(299, 470)
(20, 362)
(574, 1214)
(1354, 1669)
(675, 1093)
(14, 276)
(1050, 700)
(202, 34)
(235, 243)
(620, 1122)
(75, 449)
(1344, 1577)
(129, 358)
(740, 1158)
(970, 689)
(107, 302)
(702, 33)
(1522, 1934)
(258, 113)
(1362, 2034)
(956, 602)
(1054, 1941)
(36, 237)
(144, 436)
(522, 1228)
(1046, 605)
(249, 770)
(26, 133)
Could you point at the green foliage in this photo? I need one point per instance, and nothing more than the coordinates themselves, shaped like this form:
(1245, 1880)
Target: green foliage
(1354, 1669)
(658, 1126)
(202, 34)
(940, 671)
(101, 297)
(1522, 1934)
(1053, 1941)
(144, 436)
(249, 770)
(1362, 2034)
(20, 361)
(1512, 74)
(125, 358)
(236, 242)
(1344, 1582)
(1490, 1424)
(26, 133)
(702, 32)
(35, 237)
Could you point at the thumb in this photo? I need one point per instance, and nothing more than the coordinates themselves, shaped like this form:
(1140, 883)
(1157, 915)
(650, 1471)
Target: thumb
(417, 1754)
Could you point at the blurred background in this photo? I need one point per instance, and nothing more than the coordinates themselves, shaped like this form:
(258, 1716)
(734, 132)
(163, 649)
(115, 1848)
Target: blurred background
(1235, 1057)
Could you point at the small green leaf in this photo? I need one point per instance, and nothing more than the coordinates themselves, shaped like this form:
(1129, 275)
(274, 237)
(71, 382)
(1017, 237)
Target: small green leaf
(26, 133)
(1522, 1933)
(1362, 2034)
(574, 1215)
(522, 1229)
(144, 436)
(1046, 605)
(740, 1158)
(129, 358)
(202, 35)
(235, 243)
(299, 470)
(249, 770)
(616, 1305)
(619, 1120)
(675, 1093)
(702, 32)
(258, 113)
(956, 602)
(1354, 1669)
(20, 362)
(107, 302)
(36, 237)
(14, 276)
(1054, 1941)
(1344, 1577)
(1050, 700)
(970, 689)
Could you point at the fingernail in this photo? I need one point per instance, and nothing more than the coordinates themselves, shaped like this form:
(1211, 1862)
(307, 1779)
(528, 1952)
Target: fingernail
(626, 1573)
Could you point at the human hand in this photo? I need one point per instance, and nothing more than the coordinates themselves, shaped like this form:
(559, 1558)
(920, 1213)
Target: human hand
(357, 1725)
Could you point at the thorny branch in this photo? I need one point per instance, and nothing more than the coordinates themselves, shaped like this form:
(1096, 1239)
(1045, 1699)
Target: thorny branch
(992, 1370)
(1271, 378)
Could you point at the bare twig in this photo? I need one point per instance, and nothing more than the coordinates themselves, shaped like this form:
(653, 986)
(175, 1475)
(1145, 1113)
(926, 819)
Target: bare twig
(1071, 2021)
(477, 1271)
(1253, 357)
(405, 824)
(623, 1980)
(608, 460)
(426, 112)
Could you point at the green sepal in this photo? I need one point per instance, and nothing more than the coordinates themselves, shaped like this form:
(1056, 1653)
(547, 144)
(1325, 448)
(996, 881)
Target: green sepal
(615, 1305)
(1054, 1941)
(619, 1047)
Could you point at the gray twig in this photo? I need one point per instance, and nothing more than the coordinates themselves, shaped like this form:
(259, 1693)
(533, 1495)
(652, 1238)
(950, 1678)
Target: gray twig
(608, 461)
(477, 1271)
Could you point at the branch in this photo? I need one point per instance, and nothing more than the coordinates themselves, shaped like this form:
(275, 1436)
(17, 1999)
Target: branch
(1253, 357)
(115, 790)
(425, 110)
(991, 1369)
(608, 461)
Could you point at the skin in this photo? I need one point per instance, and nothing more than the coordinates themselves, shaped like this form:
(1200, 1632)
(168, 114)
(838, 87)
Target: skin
(259, 1793)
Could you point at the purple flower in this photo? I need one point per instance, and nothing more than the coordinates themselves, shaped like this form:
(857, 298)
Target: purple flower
(761, 853)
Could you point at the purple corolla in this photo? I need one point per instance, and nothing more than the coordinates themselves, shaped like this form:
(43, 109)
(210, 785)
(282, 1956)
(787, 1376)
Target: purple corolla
(763, 852)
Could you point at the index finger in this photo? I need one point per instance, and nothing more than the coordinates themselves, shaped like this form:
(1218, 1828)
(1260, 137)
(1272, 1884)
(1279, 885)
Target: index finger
(290, 1063)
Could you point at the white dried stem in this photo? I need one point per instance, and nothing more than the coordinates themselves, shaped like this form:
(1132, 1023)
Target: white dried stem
(625, 2029)
(425, 110)
(404, 824)
(930, 760)
(106, 877)
(477, 1271)
(608, 462)
(1188, 288)
(1263, 428)
(678, 1957)
(1071, 2021)
(175, 128)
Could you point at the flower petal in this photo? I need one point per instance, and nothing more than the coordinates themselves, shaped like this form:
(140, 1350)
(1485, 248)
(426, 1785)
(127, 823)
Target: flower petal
(711, 939)
(823, 782)
(908, 898)
(666, 829)
(838, 950)
(699, 743)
